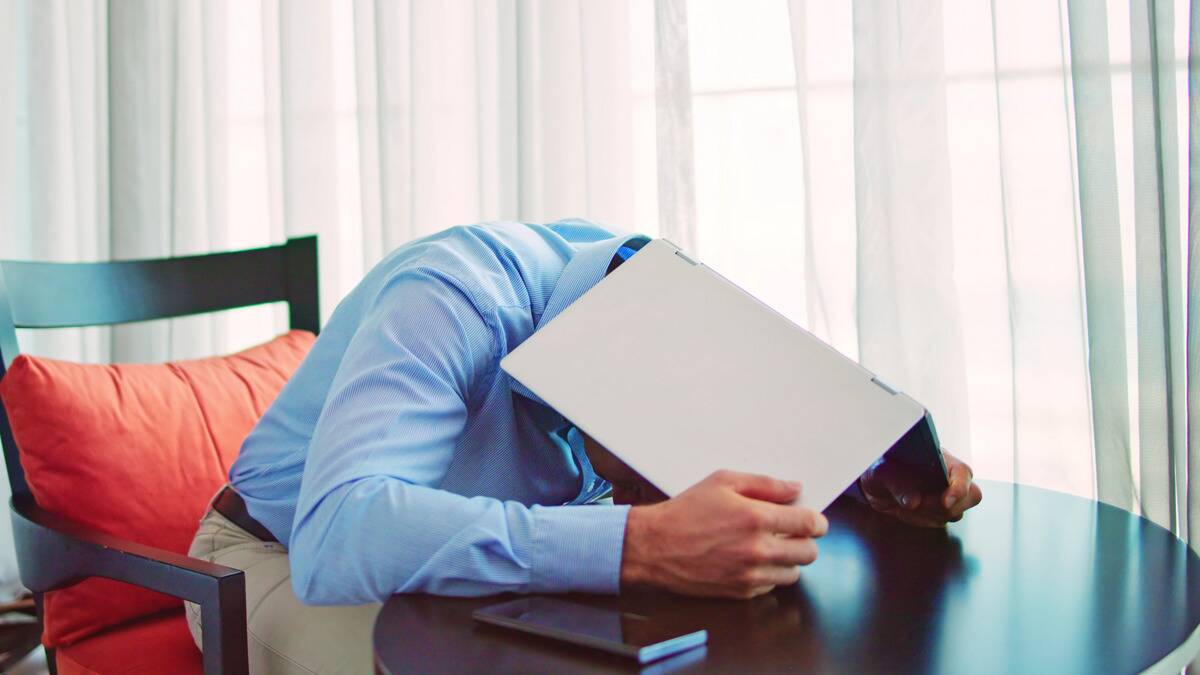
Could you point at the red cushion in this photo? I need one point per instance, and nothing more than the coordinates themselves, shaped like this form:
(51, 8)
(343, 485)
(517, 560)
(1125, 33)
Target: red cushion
(150, 645)
(135, 451)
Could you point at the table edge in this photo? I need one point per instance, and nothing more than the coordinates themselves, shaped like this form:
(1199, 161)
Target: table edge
(1177, 659)
(1174, 662)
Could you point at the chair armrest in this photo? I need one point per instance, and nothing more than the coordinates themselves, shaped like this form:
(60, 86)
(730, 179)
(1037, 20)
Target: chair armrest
(54, 552)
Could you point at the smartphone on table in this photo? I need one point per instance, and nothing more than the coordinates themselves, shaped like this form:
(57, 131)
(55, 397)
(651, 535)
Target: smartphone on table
(625, 633)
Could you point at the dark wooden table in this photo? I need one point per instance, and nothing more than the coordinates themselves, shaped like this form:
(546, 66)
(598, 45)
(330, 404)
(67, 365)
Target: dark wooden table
(1030, 581)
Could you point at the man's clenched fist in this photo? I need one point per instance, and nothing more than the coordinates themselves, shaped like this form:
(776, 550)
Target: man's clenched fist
(730, 535)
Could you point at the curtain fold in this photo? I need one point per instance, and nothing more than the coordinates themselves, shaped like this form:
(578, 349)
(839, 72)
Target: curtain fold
(673, 114)
(816, 314)
(1193, 276)
(909, 329)
(822, 45)
(1100, 227)
(1160, 332)
(1044, 376)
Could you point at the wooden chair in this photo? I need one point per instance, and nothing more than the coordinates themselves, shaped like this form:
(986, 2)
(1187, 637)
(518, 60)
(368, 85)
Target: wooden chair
(53, 552)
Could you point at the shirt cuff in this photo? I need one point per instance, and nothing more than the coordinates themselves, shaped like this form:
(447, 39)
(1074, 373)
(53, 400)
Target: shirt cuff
(577, 548)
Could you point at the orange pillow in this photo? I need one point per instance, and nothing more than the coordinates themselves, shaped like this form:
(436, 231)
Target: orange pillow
(135, 451)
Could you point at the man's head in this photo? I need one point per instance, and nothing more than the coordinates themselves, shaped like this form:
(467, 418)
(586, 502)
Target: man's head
(628, 485)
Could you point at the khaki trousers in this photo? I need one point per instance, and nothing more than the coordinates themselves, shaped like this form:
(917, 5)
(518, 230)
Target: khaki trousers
(286, 636)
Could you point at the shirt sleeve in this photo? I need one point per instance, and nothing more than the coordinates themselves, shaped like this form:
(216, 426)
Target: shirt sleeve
(370, 521)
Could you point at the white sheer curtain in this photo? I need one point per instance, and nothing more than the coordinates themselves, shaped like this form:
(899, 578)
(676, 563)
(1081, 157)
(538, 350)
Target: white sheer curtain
(1019, 220)
(985, 202)
(147, 128)
(141, 128)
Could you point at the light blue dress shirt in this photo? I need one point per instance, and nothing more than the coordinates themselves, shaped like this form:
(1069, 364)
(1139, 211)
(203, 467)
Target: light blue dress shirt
(401, 458)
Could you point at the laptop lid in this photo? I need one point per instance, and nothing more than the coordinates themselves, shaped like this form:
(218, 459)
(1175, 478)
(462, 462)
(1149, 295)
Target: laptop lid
(679, 373)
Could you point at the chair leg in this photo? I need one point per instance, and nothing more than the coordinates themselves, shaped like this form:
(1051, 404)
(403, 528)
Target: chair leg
(38, 603)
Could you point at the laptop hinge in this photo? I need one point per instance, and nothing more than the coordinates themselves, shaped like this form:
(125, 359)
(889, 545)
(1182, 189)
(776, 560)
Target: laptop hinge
(884, 386)
(681, 254)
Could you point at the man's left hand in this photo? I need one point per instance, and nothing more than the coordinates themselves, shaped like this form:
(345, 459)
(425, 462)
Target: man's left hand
(888, 488)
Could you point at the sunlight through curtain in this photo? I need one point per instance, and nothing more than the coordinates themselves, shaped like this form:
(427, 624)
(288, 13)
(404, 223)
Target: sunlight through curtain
(988, 203)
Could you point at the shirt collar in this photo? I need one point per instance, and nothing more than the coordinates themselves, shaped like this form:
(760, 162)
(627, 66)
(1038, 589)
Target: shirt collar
(583, 271)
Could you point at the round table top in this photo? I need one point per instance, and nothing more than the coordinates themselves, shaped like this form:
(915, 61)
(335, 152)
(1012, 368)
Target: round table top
(1029, 581)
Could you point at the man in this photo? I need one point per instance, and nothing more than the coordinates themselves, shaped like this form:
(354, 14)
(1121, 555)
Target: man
(400, 458)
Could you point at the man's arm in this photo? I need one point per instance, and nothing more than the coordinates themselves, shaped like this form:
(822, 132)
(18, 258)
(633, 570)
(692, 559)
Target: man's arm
(370, 521)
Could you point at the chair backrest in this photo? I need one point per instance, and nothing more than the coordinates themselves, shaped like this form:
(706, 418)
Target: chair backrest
(59, 295)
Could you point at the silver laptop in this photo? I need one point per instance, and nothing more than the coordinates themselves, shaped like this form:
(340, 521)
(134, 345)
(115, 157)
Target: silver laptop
(679, 373)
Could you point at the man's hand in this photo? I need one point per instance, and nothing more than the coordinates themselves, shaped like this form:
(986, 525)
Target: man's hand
(730, 535)
(888, 489)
